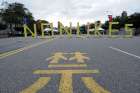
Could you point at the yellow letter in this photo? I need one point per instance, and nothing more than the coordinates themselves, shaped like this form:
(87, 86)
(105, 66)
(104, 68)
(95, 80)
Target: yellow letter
(128, 30)
(70, 34)
(65, 29)
(42, 29)
(78, 29)
(88, 31)
(60, 26)
(26, 28)
(97, 31)
(112, 30)
(52, 32)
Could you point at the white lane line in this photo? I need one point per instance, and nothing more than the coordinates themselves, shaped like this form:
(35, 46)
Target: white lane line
(117, 49)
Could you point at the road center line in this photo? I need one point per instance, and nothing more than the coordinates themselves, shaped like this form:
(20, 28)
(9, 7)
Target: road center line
(119, 50)
(4, 55)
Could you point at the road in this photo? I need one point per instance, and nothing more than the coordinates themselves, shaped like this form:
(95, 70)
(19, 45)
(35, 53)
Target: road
(70, 65)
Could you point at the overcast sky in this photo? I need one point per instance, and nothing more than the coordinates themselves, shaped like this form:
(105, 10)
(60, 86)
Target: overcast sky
(78, 10)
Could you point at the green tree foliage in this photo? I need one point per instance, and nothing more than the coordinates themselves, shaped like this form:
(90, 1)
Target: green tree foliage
(2, 26)
(124, 19)
(14, 15)
(135, 20)
(105, 25)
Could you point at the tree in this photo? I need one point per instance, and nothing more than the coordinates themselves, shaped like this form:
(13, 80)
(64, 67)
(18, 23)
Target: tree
(2, 26)
(14, 14)
(105, 25)
(135, 20)
(118, 19)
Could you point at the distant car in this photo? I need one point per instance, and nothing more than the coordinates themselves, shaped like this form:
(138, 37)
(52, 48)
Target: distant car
(47, 31)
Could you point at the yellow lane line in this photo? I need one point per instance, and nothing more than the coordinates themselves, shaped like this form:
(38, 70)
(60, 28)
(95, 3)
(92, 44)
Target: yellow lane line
(93, 86)
(66, 83)
(39, 84)
(10, 53)
(67, 65)
(65, 71)
(4, 55)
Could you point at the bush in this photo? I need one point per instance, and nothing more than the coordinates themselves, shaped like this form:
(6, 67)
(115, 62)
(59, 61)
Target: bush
(2, 26)
(137, 32)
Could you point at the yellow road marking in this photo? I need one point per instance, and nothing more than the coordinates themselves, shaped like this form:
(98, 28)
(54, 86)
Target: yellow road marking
(40, 83)
(57, 56)
(79, 57)
(74, 53)
(93, 86)
(10, 53)
(67, 65)
(66, 83)
(3, 55)
(65, 71)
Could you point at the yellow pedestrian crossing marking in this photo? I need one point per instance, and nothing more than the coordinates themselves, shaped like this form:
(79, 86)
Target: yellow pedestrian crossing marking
(66, 65)
(64, 71)
(74, 53)
(40, 83)
(66, 83)
(93, 86)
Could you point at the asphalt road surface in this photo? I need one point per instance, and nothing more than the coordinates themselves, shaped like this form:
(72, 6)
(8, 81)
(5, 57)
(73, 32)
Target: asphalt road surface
(70, 65)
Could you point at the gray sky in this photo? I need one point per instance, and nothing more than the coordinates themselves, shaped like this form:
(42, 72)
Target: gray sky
(78, 10)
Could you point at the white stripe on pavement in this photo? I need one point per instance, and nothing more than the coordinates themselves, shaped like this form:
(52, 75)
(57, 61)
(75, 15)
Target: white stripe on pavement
(117, 49)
